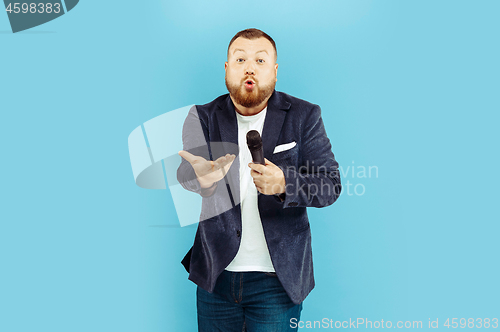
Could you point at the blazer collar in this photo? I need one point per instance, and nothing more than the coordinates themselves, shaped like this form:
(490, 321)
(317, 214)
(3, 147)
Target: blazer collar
(276, 111)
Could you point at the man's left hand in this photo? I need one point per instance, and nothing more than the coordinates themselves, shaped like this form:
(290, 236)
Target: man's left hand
(268, 179)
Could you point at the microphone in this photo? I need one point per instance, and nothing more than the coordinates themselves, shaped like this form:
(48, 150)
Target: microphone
(254, 143)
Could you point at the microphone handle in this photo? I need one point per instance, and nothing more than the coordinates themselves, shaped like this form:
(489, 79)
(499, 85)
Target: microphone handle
(258, 156)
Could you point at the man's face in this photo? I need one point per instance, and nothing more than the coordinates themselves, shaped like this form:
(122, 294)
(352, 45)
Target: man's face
(251, 71)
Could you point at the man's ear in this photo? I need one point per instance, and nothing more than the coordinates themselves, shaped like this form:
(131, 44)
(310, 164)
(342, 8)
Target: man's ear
(276, 70)
(225, 66)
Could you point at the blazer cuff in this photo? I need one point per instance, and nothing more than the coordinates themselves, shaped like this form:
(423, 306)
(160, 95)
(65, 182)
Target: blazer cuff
(289, 198)
(207, 192)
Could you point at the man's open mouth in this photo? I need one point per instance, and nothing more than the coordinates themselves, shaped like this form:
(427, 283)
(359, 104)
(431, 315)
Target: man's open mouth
(249, 84)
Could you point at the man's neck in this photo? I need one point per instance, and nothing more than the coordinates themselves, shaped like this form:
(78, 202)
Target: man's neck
(246, 111)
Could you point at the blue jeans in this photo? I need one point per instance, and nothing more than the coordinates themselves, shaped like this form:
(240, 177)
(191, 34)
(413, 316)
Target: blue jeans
(246, 301)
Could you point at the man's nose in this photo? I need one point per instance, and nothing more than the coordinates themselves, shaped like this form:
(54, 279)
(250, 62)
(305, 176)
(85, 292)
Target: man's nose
(249, 70)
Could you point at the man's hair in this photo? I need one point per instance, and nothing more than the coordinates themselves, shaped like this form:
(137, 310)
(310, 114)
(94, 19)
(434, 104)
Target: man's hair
(253, 34)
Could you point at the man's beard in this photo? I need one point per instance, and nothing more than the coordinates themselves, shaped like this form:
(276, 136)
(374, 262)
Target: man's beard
(250, 99)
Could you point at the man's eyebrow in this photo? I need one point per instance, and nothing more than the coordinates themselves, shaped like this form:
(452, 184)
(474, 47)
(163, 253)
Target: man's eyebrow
(238, 49)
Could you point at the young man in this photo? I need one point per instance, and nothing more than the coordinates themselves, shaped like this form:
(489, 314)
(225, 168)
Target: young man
(252, 258)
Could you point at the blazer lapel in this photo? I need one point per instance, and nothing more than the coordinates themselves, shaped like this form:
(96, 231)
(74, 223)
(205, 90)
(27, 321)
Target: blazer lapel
(228, 130)
(228, 125)
(276, 112)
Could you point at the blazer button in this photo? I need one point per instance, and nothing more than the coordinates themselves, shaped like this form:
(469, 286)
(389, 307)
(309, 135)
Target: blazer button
(238, 233)
(293, 204)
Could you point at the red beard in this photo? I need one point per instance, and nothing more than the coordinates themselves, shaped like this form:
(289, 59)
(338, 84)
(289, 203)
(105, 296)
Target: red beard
(249, 99)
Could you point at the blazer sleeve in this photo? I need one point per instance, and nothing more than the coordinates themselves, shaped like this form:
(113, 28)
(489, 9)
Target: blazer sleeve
(195, 141)
(316, 182)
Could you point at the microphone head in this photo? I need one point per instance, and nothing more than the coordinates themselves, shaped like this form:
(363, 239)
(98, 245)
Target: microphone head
(254, 141)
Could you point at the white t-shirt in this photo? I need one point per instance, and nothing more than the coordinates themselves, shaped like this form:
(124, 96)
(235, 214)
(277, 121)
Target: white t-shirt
(253, 254)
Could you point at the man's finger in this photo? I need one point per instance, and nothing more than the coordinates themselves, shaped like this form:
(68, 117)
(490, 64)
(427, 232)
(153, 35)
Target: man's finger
(224, 162)
(191, 158)
(228, 165)
(257, 167)
(255, 174)
(259, 184)
(228, 158)
(221, 160)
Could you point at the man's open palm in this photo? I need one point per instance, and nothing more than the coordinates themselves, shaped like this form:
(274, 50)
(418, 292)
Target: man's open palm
(207, 171)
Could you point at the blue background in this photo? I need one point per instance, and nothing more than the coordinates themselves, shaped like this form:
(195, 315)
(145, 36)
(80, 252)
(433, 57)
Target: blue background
(408, 86)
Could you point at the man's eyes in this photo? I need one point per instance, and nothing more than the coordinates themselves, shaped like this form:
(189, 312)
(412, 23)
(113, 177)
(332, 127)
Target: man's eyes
(240, 60)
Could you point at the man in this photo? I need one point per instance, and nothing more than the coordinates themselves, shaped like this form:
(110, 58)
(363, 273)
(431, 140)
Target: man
(252, 258)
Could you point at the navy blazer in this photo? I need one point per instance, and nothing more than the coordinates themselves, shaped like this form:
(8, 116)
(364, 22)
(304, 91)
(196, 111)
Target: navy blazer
(312, 180)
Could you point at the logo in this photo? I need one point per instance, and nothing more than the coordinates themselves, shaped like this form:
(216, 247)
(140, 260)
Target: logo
(26, 15)
(153, 149)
